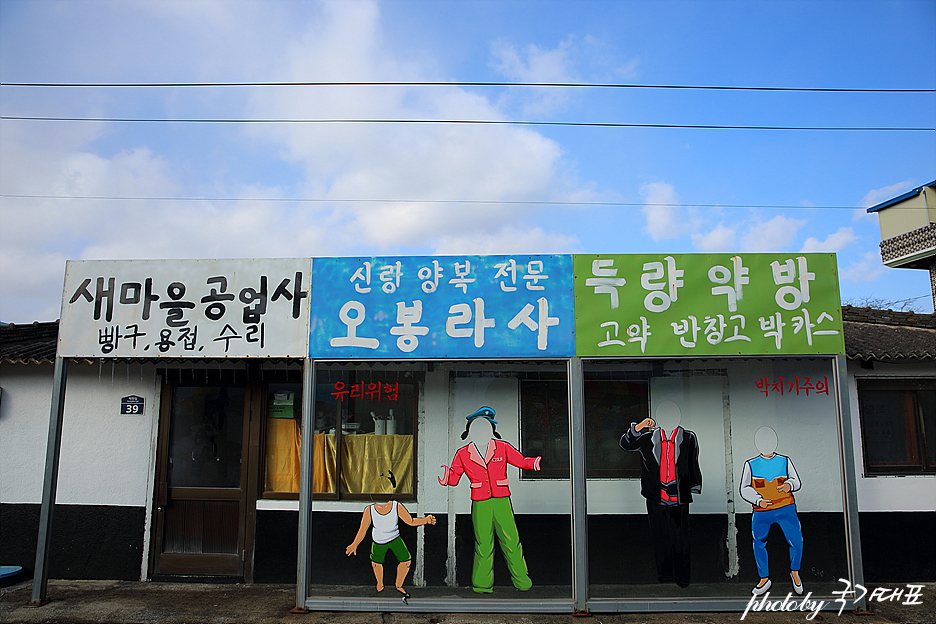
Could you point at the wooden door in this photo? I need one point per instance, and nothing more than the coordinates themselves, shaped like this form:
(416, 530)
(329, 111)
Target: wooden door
(205, 498)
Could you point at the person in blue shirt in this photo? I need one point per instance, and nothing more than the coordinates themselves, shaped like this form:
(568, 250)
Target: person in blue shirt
(768, 482)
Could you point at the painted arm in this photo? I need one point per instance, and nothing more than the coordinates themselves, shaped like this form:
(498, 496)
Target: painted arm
(792, 483)
(405, 516)
(748, 492)
(696, 470)
(633, 437)
(362, 531)
(518, 459)
(452, 474)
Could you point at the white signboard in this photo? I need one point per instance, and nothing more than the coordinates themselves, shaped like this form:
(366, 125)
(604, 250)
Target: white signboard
(186, 308)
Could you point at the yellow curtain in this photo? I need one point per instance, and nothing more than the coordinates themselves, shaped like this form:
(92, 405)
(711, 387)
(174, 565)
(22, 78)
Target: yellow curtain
(323, 463)
(367, 462)
(283, 440)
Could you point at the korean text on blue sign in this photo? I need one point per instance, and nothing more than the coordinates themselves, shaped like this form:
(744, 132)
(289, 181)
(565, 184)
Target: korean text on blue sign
(442, 307)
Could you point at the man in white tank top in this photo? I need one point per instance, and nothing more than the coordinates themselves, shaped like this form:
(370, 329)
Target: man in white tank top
(384, 518)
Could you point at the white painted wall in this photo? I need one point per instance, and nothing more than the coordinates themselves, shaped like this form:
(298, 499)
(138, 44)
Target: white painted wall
(105, 456)
(24, 427)
(889, 493)
(806, 428)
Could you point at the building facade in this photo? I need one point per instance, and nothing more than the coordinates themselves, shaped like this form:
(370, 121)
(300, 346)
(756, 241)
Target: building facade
(175, 466)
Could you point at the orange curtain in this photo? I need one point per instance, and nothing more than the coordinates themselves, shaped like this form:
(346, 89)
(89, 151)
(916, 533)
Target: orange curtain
(283, 441)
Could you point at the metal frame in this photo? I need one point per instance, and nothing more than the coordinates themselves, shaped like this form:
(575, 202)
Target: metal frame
(576, 381)
(580, 602)
(50, 482)
(304, 559)
(849, 475)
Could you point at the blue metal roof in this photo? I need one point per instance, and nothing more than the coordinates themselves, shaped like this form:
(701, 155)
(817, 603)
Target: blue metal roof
(900, 198)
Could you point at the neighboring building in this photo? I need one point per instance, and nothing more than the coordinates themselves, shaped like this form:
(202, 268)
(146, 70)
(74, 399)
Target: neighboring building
(892, 385)
(908, 231)
(180, 468)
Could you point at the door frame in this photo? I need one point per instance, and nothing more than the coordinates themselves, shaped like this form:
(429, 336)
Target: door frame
(196, 565)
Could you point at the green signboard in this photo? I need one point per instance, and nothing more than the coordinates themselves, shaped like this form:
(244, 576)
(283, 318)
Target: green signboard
(707, 304)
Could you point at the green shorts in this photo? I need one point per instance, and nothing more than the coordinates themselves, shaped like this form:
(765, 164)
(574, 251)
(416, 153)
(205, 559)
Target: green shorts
(378, 552)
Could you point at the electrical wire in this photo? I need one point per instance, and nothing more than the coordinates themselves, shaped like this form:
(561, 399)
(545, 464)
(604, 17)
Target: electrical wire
(564, 85)
(495, 122)
(350, 200)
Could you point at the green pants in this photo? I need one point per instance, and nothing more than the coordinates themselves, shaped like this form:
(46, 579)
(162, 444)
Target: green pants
(378, 552)
(495, 517)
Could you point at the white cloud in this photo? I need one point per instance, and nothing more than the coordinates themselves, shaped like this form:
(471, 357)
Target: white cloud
(533, 64)
(719, 239)
(333, 41)
(509, 240)
(572, 58)
(664, 221)
(833, 242)
(868, 269)
(876, 196)
(774, 235)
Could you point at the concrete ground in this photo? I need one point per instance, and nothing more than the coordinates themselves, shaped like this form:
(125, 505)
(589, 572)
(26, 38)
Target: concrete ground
(125, 602)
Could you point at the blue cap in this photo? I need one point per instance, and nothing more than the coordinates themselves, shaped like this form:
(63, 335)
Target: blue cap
(485, 412)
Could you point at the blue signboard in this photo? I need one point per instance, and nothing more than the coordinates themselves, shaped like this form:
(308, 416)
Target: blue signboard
(434, 307)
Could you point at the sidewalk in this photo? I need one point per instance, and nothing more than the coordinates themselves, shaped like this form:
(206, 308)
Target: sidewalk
(126, 602)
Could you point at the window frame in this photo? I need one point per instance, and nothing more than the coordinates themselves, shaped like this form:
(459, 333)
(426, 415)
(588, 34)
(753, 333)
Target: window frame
(922, 440)
(630, 471)
(324, 376)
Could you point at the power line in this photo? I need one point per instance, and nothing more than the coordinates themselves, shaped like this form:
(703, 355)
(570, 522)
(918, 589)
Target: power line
(907, 300)
(494, 122)
(347, 200)
(565, 85)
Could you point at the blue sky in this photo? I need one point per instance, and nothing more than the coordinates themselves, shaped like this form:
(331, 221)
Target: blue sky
(825, 177)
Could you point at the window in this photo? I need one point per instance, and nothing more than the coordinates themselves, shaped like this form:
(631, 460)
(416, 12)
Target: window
(544, 426)
(898, 425)
(364, 434)
(610, 406)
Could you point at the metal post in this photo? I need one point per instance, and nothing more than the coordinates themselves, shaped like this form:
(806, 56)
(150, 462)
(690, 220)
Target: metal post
(849, 485)
(303, 564)
(50, 483)
(578, 482)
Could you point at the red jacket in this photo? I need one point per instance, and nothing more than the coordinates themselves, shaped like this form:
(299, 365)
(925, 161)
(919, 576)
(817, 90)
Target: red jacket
(488, 474)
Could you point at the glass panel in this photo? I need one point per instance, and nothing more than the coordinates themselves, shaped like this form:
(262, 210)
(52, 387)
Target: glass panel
(510, 534)
(365, 425)
(328, 413)
(928, 410)
(482, 532)
(898, 419)
(544, 413)
(283, 439)
(377, 429)
(206, 437)
(889, 427)
(739, 480)
(608, 404)
(544, 417)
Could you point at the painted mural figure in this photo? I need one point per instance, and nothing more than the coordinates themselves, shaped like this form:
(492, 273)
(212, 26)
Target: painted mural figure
(491, 510)
(670, 475)
(384, 518)
(768, 482)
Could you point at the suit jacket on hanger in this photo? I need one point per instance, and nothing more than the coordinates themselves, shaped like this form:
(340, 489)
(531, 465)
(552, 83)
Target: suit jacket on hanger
(688, 473)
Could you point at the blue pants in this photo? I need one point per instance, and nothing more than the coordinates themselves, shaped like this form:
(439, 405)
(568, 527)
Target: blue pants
(786, 518)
